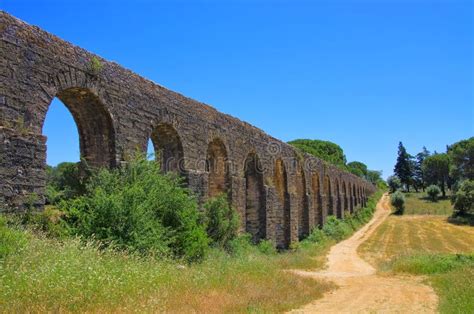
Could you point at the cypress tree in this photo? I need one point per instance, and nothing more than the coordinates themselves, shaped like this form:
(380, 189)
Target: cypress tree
(403, 168)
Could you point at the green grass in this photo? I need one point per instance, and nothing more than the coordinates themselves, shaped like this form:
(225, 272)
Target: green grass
(44, 273)
(419, 204)
(452, 277)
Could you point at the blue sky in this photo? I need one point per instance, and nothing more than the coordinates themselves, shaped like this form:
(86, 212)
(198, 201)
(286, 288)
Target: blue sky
(363, 74)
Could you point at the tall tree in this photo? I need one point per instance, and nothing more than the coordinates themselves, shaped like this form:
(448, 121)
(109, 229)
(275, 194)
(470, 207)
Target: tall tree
(404, 168)
(436, 170)
(462, 158)
(418, 179)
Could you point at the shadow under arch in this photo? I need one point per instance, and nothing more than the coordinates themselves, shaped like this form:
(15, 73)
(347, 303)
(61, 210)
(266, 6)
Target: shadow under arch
(168, 148)
(217, 168)
(255, 209)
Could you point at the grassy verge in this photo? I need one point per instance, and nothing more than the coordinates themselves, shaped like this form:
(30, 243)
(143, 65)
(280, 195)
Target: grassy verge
(49, 274)
(419, 204)
(451, 275)
(429, 246)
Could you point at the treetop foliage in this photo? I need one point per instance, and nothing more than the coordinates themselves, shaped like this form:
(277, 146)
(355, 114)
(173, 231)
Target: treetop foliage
(334, 154)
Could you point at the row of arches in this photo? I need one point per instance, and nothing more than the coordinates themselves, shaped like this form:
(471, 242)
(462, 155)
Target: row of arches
(313, 198)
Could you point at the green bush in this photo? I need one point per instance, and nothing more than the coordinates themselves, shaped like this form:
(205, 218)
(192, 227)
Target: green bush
(138, 208)
(11, 240)
(222, 221)
(336, 229)
(64, 182)
(463, 199)
(394, 183)
(267, 247)
(433, 192)
(397, 200)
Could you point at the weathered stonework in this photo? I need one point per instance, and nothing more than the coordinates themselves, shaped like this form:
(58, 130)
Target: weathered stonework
(280, 193)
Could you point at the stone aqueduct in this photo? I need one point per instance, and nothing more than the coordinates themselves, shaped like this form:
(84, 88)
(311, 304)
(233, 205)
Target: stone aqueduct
(280, 193)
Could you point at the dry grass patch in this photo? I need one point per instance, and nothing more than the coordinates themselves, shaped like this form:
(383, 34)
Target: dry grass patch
(419, 204)
(408, 235)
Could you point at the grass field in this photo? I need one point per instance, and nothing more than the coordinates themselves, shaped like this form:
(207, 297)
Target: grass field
(418, 204)
(47, 275)
(423, 242)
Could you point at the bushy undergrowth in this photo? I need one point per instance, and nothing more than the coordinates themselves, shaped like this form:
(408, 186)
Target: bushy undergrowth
(339, 229)
(397, 200)
(221, 220)
(137, 208)
(11, 240)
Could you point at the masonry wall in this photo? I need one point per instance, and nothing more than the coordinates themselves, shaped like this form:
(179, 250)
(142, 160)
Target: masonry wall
(117, 112)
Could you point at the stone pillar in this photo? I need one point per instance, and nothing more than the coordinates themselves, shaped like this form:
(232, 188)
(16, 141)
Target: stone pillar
(22, 169)
(238, 201)
(270, 197)
(312, 211)
(197, 182)
(294, 205)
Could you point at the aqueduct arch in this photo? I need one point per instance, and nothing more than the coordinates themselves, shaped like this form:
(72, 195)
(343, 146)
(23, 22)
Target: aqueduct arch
(168, 148)
(217, 168)
(255, 212)
(94, 125)
(117, 111)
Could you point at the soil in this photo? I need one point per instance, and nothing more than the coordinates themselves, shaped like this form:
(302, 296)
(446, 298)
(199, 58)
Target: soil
(361, 289)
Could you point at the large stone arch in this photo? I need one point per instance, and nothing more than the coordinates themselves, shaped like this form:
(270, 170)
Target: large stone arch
(317, 202)
(302, 203)
(168, 148)
(283, 228)
(255, 209)
(217, 168)
(94, 125)
(328, 195)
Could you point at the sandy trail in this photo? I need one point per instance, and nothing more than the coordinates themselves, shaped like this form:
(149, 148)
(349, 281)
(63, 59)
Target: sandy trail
(361, 290)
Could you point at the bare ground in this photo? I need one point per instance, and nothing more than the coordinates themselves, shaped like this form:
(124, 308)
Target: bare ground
(361, 290)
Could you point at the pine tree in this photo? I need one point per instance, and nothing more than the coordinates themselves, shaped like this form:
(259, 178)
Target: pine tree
(418, 177)
(403, 168)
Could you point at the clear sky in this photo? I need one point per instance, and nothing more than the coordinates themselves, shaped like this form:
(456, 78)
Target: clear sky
(363, 74)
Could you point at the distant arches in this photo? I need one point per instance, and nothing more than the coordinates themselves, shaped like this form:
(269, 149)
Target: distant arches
(339, 210)
(317, 203)
(328, 195)
(303, 211)
(344, 194)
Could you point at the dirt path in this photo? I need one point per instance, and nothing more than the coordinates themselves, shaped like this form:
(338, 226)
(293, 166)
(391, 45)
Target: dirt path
(361, 290)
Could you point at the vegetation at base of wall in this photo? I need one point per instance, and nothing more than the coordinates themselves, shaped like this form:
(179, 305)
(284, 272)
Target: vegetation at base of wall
(221, 220)
(47, 273)
(451, 275)
(139, 209)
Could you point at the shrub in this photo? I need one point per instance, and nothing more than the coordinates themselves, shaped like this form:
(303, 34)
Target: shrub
(397, 200)
(267, 247)
(433, 192)
(336, 229)
(394, 183)
(463, 200)
(11, 240)
(138, 208)
(64, 182)
(222, 221)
